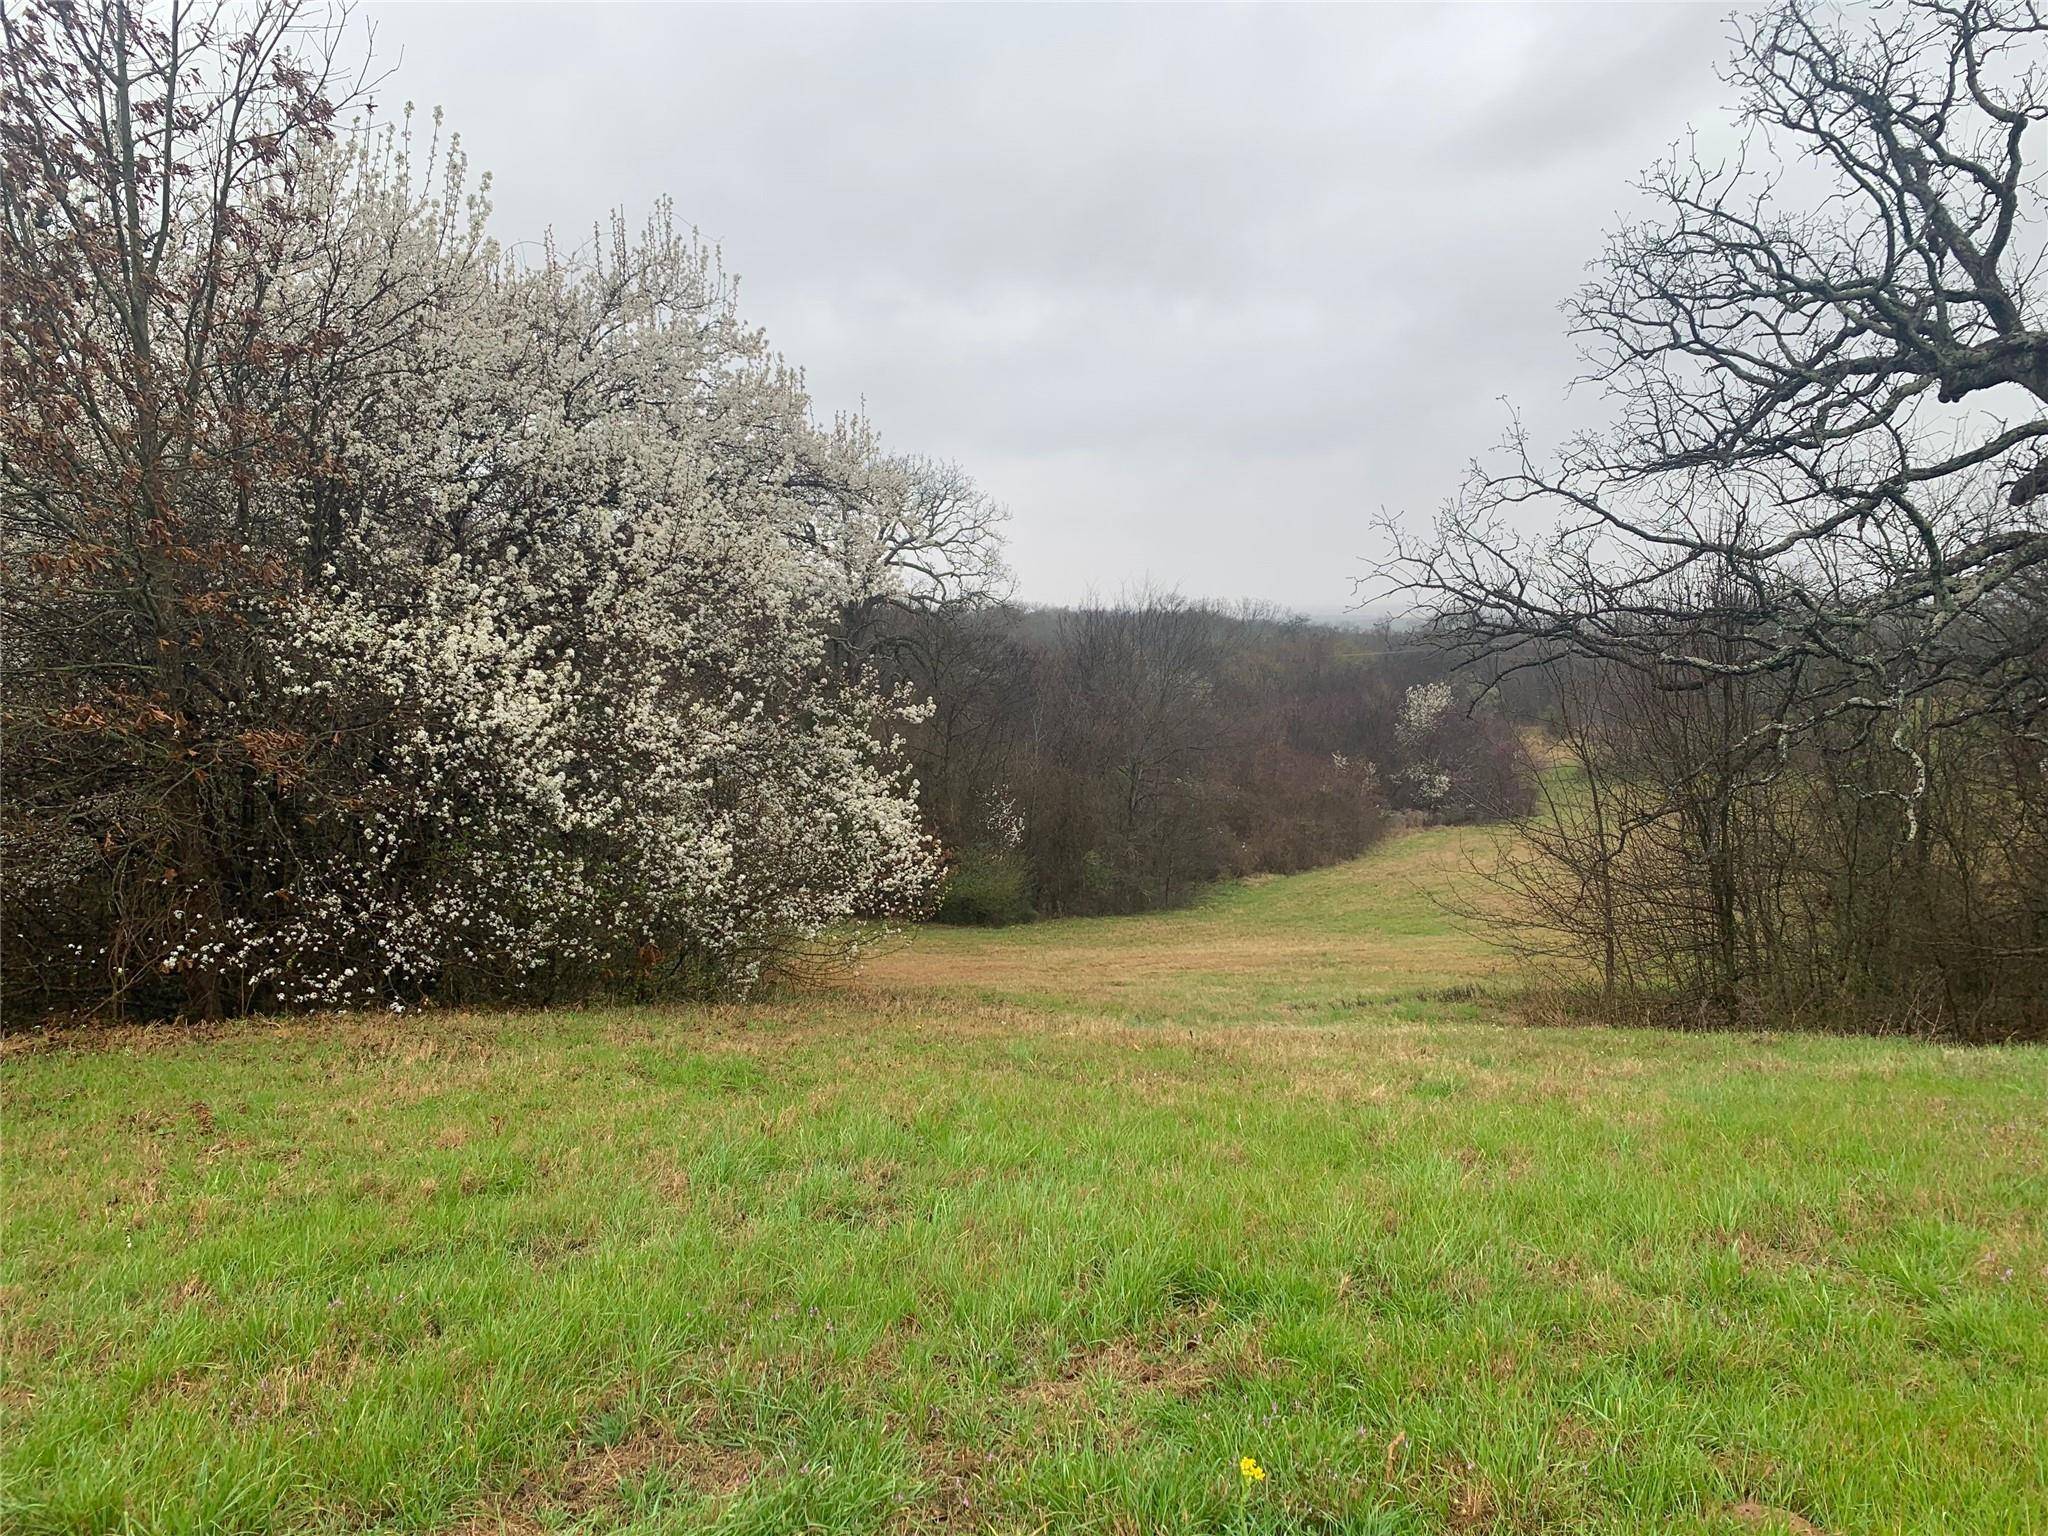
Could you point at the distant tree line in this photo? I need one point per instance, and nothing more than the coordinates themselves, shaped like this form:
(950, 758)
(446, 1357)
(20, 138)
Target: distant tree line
(1792, 607)
(1119, 756)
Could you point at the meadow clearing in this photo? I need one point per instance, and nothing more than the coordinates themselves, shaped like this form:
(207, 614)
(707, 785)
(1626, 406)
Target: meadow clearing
(1265, 1216)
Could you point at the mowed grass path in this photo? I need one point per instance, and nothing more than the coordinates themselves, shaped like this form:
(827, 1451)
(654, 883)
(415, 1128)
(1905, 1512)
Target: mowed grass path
(1035, 1231)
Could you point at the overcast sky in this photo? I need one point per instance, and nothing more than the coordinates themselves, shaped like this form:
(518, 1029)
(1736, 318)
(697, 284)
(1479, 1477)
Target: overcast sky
(1195, 291)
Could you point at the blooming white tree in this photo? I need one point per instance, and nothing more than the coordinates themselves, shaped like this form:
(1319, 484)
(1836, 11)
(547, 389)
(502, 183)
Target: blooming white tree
(500, 659)
(1425, 709)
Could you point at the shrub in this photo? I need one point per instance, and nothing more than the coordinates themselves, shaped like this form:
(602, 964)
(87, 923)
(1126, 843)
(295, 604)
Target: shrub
(447, 624)
(986, 888)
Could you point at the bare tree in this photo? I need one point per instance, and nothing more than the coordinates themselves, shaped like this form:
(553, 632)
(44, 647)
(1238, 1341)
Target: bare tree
(902, 535)
(1829, 365)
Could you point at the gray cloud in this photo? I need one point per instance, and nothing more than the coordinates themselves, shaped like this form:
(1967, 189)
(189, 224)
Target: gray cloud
(1195, 290)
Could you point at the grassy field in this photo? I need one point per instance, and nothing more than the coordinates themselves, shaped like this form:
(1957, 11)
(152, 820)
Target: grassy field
(1041, 1230)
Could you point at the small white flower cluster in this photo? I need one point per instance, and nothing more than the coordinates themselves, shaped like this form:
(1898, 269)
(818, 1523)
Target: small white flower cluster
(1424, 710)
(1002, 819)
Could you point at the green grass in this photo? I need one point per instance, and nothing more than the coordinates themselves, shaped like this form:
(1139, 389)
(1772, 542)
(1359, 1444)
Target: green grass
(1034, 1230)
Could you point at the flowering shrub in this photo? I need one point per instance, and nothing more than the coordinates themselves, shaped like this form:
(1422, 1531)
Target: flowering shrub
(455, 628)
(1455, 763)
(1424, 710)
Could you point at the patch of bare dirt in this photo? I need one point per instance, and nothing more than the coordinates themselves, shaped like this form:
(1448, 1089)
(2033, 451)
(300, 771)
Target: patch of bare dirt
(590, 1483)
(1762, 1517)
(498, 1522)
(1473, 1508)
(1180, 1372)
(955, 1496)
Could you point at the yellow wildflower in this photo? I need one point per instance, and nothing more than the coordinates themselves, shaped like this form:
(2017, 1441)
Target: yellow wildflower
(1251, 1471)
